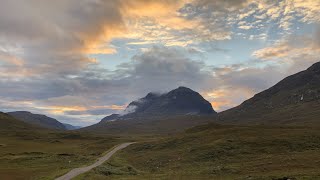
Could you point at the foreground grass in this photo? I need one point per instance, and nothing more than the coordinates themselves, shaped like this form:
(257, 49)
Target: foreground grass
(220, 152)
(47, 154)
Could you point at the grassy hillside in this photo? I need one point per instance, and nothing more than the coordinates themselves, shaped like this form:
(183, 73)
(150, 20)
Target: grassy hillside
(38, 120)
(295, 100)
(220, 152)
(150, 126)
(29, 152)
(302, 114)
(9, 123)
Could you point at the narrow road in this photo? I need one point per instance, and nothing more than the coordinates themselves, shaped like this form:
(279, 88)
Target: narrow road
(75, 172)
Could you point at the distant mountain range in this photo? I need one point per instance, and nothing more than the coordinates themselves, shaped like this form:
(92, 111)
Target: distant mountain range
(41, 120)
(294, 100)
(71, 127)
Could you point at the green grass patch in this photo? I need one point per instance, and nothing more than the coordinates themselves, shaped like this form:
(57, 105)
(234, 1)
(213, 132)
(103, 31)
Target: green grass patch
(217, 152)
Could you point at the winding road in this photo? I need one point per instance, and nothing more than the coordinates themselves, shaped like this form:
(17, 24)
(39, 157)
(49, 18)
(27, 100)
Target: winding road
(75, 172)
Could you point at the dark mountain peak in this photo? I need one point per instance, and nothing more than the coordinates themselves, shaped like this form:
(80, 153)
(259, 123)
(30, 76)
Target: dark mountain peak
(182, 88)
(315, 67)
(111, 117)
(179, 101)
(152, 95)
(178, 109)
(182, 91)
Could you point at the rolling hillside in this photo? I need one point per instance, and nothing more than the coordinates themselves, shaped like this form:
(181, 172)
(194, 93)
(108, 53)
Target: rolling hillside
(28, 151)
(9, 123)
(38, 120)
(294, 100)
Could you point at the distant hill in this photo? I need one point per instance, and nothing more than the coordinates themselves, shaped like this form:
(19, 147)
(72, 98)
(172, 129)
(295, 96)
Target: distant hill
(38, 120)
(71, 127)
(294, 100)
(9, 123)
(170, 112)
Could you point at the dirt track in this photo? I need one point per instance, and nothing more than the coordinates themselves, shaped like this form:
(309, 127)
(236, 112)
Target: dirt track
(75, 172)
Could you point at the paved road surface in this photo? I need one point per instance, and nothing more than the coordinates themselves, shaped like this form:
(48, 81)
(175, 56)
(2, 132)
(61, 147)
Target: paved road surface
(75, 172)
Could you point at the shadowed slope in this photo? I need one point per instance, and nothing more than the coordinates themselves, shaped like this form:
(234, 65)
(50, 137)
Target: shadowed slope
(294, 100)
(9, 123)
(38, 119)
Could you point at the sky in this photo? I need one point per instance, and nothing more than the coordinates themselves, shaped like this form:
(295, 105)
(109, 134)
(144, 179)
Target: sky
(80, 60)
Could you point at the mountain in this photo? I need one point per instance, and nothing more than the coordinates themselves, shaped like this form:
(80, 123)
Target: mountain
(174, 111)
(294, 100)
(71, 127)
(180, 101)
(111, 117)
(9, 123)
(38, 119)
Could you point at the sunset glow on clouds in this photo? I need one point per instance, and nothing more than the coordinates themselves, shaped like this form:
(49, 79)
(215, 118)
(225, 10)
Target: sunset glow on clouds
(79, 60)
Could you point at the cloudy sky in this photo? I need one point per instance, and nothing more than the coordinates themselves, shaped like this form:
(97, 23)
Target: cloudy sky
(80, 60)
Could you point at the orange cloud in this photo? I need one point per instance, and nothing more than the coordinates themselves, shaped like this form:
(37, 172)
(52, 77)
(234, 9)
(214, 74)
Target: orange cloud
(62, 109)
(11, 59)
(227, 97)
(219, 105)
(287, 49)
(279, 51)
(219, 99)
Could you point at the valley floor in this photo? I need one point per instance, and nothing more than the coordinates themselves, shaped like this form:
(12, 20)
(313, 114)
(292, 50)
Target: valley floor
(220, 152)
(47, 155)
(204, 152)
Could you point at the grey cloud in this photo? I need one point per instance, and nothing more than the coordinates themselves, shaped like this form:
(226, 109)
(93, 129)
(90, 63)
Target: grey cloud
(53, 35)
(254, 79)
